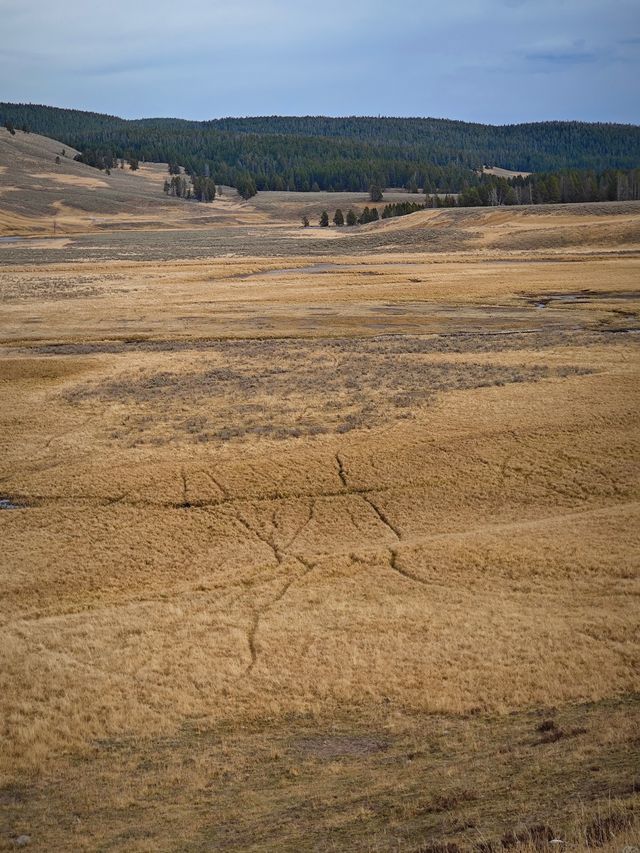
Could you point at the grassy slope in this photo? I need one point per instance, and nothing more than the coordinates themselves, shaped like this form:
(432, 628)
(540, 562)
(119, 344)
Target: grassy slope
(35, 192)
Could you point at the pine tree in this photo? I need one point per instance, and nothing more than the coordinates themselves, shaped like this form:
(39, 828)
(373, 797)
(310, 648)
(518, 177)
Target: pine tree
(338, 218)
(375, 192)
(324, 219)
(470, 198)
(553, 189)
(246, 186)
(411, 186)
(352, 219)
(204, 189)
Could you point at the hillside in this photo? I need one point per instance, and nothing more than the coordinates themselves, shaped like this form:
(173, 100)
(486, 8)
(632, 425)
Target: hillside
(316, 152)
(41, 197)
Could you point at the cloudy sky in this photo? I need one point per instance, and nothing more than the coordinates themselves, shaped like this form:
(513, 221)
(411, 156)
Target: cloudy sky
(496, 61)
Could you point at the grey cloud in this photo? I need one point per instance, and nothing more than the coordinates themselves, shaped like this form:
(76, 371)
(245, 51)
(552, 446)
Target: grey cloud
(484, 60)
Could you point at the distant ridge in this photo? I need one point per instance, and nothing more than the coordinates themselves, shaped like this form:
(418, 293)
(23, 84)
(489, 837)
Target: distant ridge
(318, 152)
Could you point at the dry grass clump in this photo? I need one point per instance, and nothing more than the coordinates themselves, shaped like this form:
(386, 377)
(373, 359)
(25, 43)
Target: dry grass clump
(608, 827)
(284, 389)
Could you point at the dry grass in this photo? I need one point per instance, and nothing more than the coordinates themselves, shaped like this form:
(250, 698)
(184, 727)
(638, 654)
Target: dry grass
(319, 555)
(41, 198)
(503, 173)
(259, 298)
(382, 780)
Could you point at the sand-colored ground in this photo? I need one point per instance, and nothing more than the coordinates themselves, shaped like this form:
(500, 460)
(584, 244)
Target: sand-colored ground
(334, 550)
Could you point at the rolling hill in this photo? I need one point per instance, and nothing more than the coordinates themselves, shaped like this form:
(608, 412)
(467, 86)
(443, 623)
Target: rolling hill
(45, 192)
(317, 152)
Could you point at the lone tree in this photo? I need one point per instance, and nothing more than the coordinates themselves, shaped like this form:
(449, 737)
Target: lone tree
(10, 128)
(352, 219)
(338, 217)
(375, 192)
(305, 221)
(324, 219)
(58, 160)
(133, 163)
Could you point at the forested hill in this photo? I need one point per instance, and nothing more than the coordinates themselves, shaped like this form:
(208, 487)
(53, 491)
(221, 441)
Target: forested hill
(316, 152)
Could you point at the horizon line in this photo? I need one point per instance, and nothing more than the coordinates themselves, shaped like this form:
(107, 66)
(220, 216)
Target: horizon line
(379, 116)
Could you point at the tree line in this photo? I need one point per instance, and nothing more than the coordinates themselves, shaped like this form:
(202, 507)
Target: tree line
(316, 153)
(571, 186)
(339, 219)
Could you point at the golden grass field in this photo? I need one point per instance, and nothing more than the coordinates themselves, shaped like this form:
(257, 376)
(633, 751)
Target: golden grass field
(320, 542)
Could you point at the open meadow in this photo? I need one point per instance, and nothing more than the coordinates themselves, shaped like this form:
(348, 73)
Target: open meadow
(318, 539)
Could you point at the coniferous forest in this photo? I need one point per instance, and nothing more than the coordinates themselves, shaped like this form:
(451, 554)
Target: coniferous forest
(573, 161)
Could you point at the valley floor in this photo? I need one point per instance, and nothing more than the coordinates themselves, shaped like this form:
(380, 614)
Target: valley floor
(316, 549)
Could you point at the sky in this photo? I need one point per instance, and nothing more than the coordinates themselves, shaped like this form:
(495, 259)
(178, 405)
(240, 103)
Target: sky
(493, 61)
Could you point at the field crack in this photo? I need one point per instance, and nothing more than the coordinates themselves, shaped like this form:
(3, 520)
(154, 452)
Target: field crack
(341, 471)
(384, 518)
(304, 525)
(393, 564)
(216, 482)
(259, 614)
(185, 491)
(268, 540)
